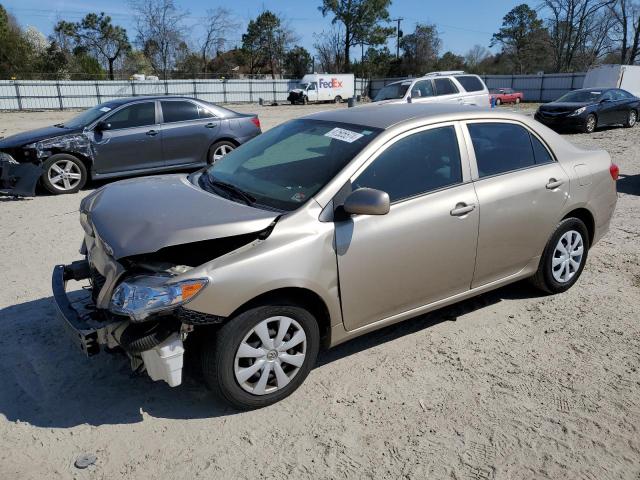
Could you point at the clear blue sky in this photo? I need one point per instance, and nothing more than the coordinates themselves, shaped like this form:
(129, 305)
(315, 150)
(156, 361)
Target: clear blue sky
(461, 23)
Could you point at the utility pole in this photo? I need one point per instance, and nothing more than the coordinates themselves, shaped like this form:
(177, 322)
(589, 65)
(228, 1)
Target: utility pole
(398, 36)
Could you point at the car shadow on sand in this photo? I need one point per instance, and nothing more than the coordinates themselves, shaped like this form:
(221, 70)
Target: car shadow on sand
(629, 184)
(47, 382)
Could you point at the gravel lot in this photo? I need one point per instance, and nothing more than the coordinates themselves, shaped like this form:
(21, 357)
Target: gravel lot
(509, 385)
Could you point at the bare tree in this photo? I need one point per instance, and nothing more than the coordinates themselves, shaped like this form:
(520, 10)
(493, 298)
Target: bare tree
(475, 56)
(330, 49)
(218, 23)
(159, 26)
(627, 25)
(568, 26)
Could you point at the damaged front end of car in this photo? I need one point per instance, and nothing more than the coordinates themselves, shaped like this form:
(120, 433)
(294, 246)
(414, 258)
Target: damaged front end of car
(21, 166)
(18, 179)
(138, 290)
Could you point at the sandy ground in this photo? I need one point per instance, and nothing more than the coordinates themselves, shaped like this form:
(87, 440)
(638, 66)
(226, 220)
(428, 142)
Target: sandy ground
(509, 385)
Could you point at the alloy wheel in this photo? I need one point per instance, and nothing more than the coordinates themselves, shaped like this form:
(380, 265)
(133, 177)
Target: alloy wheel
(567, 256)
(591, 123)
(633, 117)
(64, 175)
(270, 355)
(220, 152)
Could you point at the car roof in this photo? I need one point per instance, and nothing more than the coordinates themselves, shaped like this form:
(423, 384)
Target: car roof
(124, 100)
(385, 116)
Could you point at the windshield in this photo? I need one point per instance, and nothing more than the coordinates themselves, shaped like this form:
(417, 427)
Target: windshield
(289, 164)
(393, 91)
(89, 116)
(303, 86)
(581, 96)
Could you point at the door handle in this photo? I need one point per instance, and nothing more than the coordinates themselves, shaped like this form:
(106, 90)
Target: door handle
(152, 133)
(462, 209)
(210, 125)
(553, 183)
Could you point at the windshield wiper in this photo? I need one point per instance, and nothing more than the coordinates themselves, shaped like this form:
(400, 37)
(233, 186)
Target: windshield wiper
(230, 188)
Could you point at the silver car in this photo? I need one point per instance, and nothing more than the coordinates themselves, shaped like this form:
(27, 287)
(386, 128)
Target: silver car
(325, 228)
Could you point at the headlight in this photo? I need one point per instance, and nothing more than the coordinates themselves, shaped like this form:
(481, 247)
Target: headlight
(578, 111)
(139, 297)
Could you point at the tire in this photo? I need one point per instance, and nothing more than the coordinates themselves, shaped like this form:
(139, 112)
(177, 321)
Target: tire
(63, 173)
(590, 123)
(305, 100)
(546, 278)
(338, 99)
(224, 372)
(219, 150)
(517, 100)
(498, 102)
(632, 119)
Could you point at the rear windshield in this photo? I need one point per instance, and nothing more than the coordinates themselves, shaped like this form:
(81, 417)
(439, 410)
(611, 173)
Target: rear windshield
(471, 83)
(286, 166)
(392, 91)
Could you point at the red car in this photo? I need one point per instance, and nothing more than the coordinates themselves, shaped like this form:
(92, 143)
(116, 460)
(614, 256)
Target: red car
(505, 95)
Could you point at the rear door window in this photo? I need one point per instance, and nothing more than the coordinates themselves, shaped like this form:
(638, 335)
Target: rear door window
(445, 86)
(470, 83)
(179, 111)
(136, 115)
(502, 148)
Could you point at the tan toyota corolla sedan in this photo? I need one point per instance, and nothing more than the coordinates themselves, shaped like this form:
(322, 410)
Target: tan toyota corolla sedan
(325, 228)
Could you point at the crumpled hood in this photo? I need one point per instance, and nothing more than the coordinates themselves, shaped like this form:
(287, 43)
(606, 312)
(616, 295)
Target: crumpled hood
(146, 214)
(31, 136)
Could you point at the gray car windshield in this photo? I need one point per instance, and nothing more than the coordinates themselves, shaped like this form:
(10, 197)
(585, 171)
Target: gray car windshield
(393, 91)
(284, 167)
(581, 96)
(89, 116)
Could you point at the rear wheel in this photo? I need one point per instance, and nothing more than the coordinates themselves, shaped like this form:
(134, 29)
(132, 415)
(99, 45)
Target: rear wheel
(338, 99)
(564, 257)
(632, 118)
(64, 173)
(517, 100)
(261, 356)
(219, 150)
(498, 102)
(590, 123)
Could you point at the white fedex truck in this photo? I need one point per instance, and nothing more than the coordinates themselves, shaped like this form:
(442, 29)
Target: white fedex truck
(323, 87)
(626, 77)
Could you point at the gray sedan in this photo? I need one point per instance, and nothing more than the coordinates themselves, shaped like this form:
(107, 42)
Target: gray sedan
(122, 137)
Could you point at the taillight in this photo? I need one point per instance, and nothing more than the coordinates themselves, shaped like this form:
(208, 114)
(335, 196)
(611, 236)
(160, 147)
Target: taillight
(614, 170)
(255, 121)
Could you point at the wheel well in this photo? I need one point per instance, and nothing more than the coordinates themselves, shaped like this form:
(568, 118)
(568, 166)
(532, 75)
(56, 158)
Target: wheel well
(225, 139)
(300, 297)
(86, 161)
(587, 218)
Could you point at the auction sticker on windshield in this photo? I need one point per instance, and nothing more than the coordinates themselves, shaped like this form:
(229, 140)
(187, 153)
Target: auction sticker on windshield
(343, 135)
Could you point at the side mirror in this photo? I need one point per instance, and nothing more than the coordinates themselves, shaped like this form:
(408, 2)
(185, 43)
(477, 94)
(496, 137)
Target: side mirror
(367, 201)
(100, 126)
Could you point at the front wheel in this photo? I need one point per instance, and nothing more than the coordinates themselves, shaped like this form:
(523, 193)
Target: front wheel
(517, 100)
(64, 173)
(590, 123)
(261, 356)
(564, 257)
(632, 118)
(498, 102)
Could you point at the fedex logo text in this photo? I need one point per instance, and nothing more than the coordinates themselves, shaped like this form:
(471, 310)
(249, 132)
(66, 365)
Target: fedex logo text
(333, 83)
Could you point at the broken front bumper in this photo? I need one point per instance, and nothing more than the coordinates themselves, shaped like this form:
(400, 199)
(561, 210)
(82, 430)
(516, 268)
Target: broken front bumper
(18, 179)
(82, 321)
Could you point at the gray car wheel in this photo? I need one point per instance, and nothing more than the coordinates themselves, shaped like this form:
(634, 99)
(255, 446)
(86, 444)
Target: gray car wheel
(63, 173)
(590, 123)
(261, 356)
(219, 150)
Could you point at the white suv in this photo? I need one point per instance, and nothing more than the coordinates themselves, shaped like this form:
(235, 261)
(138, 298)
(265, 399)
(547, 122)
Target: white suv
(441, 87)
